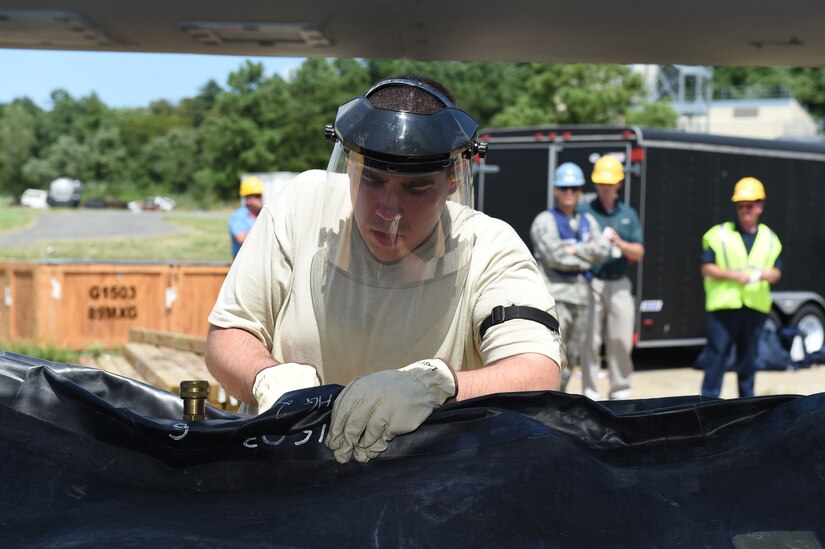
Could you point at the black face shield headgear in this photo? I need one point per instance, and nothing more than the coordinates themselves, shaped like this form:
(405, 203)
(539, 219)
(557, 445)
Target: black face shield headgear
(400, 141)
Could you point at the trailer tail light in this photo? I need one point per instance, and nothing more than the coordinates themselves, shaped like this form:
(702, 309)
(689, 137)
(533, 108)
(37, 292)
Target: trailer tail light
(538, 136)
(566, 135)
(552, 136)
(647, 323)
(627, 134)
(637, 154)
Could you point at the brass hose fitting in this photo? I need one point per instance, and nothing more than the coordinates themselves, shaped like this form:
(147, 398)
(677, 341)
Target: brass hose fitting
(194, 394)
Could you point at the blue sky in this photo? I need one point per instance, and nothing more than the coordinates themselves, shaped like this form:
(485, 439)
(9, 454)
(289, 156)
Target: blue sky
(119, 79)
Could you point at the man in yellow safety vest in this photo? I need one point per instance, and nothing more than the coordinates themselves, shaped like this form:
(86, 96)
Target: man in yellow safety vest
(740, 261)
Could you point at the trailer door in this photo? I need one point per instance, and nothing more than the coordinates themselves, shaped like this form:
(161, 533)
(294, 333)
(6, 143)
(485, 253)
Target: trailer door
(513, 184)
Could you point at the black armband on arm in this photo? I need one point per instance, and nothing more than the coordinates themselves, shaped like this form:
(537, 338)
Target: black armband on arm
(503, 314)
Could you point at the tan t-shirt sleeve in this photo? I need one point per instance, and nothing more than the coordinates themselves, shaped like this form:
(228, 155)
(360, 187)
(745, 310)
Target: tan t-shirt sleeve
(510, 277)
(258, 281)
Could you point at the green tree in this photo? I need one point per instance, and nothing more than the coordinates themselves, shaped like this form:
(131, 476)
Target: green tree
(234, 139)
(232, 145)
(653, 115)
(314, 94)
(77, 118)
(750, 82)
(197, 108)
(109, 162)
(17, 145)
(573, 94)
(257, 122)
(481, 89)
(66, 157)
(141, 125)
(169, 162)
(808, 85)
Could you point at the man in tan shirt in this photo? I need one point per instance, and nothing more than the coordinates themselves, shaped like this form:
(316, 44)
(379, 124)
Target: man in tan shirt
(379, 275)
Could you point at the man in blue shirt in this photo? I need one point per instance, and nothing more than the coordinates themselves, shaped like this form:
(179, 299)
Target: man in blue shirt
(614, 307)
(242, 219)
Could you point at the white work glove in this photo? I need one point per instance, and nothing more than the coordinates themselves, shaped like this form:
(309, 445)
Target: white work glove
(271, 383)
(373, 409)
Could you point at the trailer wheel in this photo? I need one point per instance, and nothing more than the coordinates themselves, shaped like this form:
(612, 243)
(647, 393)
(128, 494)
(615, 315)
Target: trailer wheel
(774, 321)
(811, 320)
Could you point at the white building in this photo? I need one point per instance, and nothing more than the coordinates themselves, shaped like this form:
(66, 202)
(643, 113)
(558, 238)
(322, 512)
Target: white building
(690, 91)
(782, 118)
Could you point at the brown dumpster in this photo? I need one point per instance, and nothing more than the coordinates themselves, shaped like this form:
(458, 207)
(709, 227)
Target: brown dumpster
(79, 304)
(196, 288)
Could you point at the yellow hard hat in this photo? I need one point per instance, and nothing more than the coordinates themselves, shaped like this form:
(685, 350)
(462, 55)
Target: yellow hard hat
(748, 189)
(608, 170)
(251, 185)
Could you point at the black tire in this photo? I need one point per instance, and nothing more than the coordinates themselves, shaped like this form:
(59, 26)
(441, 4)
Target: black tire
(811, 320)
(774, 320)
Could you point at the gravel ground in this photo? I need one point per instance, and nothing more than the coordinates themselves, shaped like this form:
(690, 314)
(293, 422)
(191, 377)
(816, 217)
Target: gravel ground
(687, 381)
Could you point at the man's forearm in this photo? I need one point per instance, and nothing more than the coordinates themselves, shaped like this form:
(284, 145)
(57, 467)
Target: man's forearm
(633, 251)
(771, 275)
(240, 238)
(712, 270)
(524, 372)
(234, 357)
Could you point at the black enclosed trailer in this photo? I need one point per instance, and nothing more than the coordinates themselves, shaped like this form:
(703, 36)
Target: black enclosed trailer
(681, 184)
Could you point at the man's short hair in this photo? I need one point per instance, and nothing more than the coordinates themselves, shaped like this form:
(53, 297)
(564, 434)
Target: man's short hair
(398, 97)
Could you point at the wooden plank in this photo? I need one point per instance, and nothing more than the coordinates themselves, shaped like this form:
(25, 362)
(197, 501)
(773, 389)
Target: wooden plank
(112, 363)
(88, 361)
(155, 366)
(173, 340)
(119, 365)
(194, 367)
(165, 368)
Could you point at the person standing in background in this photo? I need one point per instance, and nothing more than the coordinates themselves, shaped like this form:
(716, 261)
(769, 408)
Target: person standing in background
(740, 262)
(566, 245)
(242, 219)
(614, 308)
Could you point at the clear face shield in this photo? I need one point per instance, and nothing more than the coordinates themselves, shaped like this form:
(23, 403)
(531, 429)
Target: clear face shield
(405, 219)
(393, 254)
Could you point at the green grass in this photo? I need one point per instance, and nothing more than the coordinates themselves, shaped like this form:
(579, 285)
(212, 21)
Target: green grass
(56, 354)
(15, 217)
(46, 352)
(202, 239)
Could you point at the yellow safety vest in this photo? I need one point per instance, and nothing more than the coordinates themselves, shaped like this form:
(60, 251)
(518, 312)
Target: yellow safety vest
(729, 248)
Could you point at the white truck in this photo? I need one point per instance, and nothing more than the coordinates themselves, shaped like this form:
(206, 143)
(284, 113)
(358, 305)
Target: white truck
(65, 192)
(35, 198)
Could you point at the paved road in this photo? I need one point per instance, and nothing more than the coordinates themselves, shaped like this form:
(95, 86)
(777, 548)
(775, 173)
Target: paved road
(90, 223)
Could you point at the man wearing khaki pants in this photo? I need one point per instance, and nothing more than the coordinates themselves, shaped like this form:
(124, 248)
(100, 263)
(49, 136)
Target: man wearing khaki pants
(614, 308)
